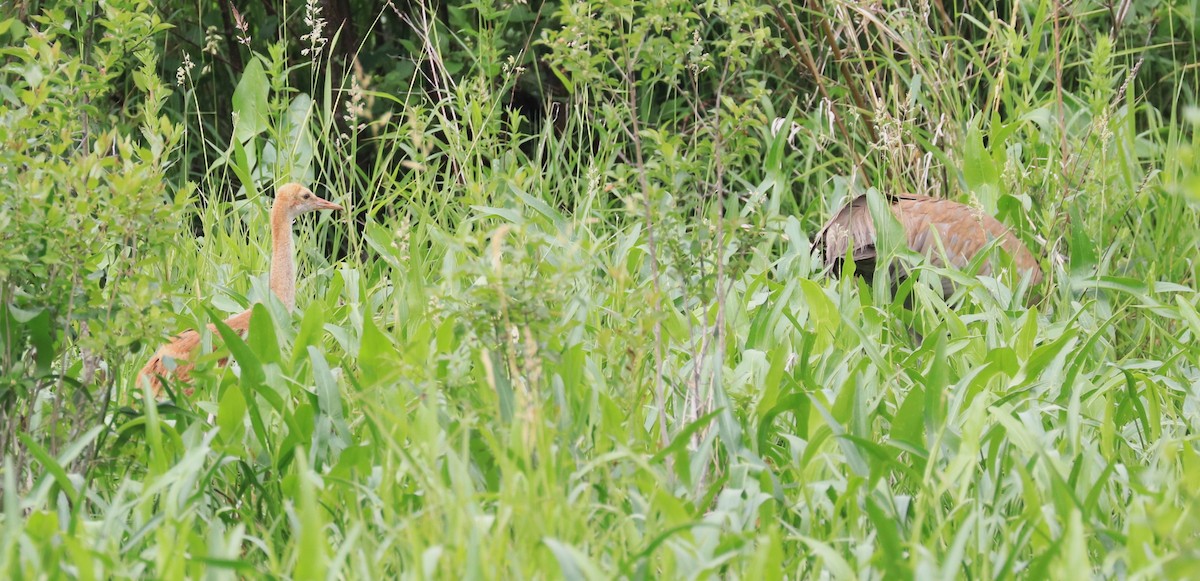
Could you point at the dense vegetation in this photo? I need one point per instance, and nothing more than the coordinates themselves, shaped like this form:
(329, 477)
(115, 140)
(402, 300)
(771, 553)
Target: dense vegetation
(571, 325)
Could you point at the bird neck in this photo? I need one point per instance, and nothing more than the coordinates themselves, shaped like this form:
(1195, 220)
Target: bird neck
(283, 259)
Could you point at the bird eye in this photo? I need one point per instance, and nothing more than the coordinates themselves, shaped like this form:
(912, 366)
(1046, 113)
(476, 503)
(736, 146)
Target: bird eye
(307, 196)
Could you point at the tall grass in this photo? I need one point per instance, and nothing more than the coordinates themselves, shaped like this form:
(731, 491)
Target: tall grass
(599, 345)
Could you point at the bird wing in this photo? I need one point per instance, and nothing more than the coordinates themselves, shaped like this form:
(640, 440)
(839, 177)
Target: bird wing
(180, 350)
(933, 225)
(850, 229)
(961, 231)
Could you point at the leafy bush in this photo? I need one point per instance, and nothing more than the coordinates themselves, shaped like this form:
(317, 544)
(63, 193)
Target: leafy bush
(85, 215)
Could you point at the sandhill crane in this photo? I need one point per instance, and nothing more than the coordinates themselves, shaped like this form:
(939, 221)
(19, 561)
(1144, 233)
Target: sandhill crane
(943, 230)
(291, 200)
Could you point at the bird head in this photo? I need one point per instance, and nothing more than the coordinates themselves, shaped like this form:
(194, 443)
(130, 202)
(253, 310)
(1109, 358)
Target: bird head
(296, 199)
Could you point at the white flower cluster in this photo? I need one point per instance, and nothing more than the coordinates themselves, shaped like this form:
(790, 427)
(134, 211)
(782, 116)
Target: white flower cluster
(184, 70)
(316, 25)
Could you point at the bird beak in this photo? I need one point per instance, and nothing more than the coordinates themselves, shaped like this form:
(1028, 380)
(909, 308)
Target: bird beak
(323, 204)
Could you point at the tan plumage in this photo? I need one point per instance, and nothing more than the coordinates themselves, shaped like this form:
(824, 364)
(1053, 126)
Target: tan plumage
(291, 200)
(931, 226)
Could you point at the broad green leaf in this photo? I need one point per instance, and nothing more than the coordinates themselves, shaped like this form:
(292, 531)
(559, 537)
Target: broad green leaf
(937, 381)
(231, 417)
(312, 548)
(890, 239)
(822, 313)
(299, 144)
(377, 357)
(309, 334)
(979, 170)
(250, 102)
(262, 339)
(329, 399)
(251, 368)
(41, 335)
(908, 425)
(891, 549)
(383, 242)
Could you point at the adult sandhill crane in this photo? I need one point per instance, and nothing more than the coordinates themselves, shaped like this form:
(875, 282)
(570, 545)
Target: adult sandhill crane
(943, 230)
(291, 200)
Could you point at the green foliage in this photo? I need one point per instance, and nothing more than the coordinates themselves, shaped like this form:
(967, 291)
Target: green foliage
(84, 213)
(588, 338)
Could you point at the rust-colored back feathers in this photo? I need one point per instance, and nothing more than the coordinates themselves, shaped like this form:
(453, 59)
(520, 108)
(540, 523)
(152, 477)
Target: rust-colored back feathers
(947, 232)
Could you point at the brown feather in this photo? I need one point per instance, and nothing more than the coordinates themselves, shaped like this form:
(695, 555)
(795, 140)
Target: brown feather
(961, 230)
(851, 224)
(180, 350)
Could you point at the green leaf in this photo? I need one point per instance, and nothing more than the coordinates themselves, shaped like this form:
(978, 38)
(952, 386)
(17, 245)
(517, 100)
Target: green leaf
(979, 170)
(683, 438)
(936, 383)
(243, 165)
(231, 415)
(312, 547)
(890, 240)
(41, 335)
(262, 339)
(383, 242)
(498, 376)
(1189, 314)
(573, 563)
(309, 334)
(377, 357)
(51, 465)
(907, 427)
(891, 549)
(299, 144)
(539, 206)
(251, 368)
(329, 401)
(822, 313)
(22, 315)
(508, 214)
(250, 102)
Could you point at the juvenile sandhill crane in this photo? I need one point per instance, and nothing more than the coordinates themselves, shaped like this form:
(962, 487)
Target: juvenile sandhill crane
(931, 226)
(291, 200)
